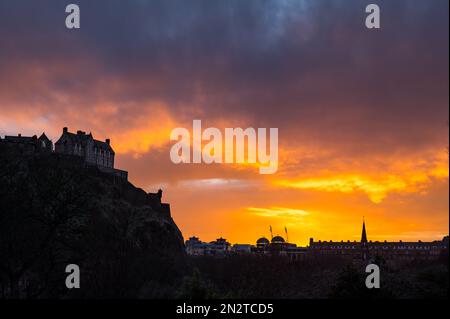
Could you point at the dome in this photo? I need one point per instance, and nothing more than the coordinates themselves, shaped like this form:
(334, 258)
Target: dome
(277, 239)
(262, 241)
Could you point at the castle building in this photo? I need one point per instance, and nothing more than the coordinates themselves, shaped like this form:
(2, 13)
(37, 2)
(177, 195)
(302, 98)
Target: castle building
(30, 144)
(91, 150)
(94, 153)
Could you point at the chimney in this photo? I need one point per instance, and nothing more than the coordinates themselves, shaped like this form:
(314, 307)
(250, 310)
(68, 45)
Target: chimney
(107, 141)
(19, 135)
(80, 132)
(65, 130)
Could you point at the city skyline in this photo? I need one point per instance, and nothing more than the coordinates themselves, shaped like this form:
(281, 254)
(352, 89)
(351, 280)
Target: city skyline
(362, 115)
(285, 237)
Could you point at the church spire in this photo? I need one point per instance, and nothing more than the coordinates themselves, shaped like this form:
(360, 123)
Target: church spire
(364, 235)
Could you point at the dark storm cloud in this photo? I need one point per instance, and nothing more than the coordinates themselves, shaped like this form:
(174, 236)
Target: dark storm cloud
(289, 64)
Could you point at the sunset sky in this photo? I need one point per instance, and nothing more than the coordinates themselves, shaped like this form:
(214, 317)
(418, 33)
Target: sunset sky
(362, 114)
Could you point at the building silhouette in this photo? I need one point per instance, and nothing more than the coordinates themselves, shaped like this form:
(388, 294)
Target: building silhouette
(93, 152)
(363, 250)
(30, 144)
(364, 235)
(368, 249)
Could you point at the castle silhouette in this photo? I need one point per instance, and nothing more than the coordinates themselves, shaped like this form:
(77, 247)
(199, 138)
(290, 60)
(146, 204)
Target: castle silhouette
(93, 152)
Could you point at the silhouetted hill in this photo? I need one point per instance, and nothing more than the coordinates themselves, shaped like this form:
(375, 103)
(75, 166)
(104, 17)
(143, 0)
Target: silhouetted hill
(55, 211)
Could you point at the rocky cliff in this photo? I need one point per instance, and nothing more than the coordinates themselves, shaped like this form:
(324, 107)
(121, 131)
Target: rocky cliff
(55, 211)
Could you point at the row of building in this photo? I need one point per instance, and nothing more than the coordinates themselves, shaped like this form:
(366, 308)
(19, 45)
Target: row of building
(221, 247)
(362, 249)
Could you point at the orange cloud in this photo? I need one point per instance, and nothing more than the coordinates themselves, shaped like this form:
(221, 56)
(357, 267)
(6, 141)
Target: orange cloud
(283, 212)
(377, 185)
(150, 133)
